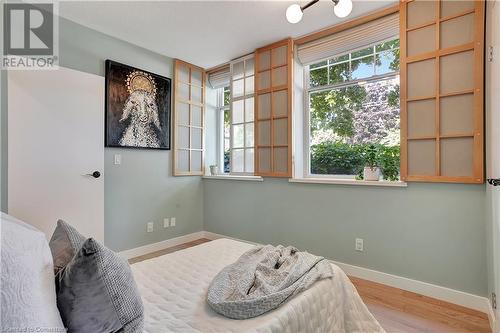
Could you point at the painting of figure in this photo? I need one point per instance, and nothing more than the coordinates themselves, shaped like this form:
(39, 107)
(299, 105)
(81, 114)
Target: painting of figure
(137, 108)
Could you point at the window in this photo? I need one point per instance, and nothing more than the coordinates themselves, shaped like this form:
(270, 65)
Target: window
(224, 116)
(239, 119)
(353, 110)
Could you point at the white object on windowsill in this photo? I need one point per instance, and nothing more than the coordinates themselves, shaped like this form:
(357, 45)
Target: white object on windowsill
(235, 177)
(371, 173)
(214, 170)
(337, 181)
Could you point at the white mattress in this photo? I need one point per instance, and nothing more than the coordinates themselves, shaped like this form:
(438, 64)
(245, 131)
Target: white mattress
(174, 288)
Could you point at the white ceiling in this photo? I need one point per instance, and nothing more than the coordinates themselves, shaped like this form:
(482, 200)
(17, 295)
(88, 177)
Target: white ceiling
(205, 33)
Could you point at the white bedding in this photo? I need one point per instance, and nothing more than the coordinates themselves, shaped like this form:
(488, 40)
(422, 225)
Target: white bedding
(174, 290)
(27, 288)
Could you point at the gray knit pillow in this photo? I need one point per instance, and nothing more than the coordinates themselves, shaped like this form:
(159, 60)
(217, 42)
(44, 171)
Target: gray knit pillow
(96, 292)
(64, 244)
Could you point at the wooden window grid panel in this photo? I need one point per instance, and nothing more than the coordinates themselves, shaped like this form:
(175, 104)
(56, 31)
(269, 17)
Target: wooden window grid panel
(190, 103)
(272, 90)
(477, 135)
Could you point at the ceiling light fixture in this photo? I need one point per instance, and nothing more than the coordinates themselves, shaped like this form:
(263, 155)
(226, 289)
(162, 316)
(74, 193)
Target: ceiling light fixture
(294, 13)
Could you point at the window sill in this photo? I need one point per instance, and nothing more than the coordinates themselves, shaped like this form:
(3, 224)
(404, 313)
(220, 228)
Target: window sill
(383, 183)
(234, 177)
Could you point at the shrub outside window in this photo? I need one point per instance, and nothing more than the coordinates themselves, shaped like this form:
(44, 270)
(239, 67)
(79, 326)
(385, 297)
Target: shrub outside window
(353, 113)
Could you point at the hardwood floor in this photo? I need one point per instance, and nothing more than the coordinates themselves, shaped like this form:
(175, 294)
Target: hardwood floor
(403, 311)
(398, 311)
(168, 250)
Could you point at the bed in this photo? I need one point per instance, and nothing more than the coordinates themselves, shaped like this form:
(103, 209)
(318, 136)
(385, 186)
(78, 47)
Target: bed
(174, 287)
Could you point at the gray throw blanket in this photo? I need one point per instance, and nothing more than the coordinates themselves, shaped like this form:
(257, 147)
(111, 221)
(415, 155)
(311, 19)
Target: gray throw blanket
(263, 278)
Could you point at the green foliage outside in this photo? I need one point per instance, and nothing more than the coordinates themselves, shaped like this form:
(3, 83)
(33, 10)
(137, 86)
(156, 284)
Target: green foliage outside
(371, 156)
(389, 162)
(227, 100)
(348, 159)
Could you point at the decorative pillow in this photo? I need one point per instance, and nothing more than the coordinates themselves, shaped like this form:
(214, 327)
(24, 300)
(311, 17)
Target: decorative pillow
(96, 292)
(28, 296)
(64, 244)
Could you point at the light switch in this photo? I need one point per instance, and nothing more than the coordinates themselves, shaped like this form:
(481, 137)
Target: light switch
(118, 159)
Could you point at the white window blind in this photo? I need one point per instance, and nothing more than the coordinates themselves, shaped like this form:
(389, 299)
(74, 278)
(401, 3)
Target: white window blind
(220, 78)
(366, 34)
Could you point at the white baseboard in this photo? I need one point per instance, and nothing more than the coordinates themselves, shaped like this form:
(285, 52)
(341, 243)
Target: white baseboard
(492, 315)
(467, 300)
(213, 235)
(142, 250)
(427, 289)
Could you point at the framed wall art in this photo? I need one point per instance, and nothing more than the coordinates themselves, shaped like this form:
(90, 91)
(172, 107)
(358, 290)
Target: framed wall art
(138, 108)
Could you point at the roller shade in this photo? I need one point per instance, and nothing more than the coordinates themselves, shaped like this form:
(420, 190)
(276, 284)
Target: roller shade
(350, 39)
(220, 78)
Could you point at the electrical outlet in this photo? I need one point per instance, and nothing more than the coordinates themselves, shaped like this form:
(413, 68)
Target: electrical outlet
(150, 227)
(172, 222)
(165, 223)
(118, 159)
(359, 244)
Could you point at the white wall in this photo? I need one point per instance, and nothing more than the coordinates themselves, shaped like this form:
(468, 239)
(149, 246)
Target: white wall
(493, 148)
(55, 138)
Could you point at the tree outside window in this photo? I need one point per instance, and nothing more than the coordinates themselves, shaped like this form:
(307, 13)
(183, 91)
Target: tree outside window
(354, 103)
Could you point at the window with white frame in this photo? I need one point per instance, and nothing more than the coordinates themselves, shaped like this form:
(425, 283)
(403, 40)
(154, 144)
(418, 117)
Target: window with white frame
(241, 116)
(224, 132)
(352, 103)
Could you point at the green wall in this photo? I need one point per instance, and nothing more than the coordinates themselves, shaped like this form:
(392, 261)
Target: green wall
(428, 232)
(490, 243)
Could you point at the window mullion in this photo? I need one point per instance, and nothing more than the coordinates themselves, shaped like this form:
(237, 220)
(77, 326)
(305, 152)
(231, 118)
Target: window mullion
(350, 65)
(221, 138)
(374, 61)
(353, 82)
(231, 129)
(220, 129)
(244, 110)
(328, 72)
